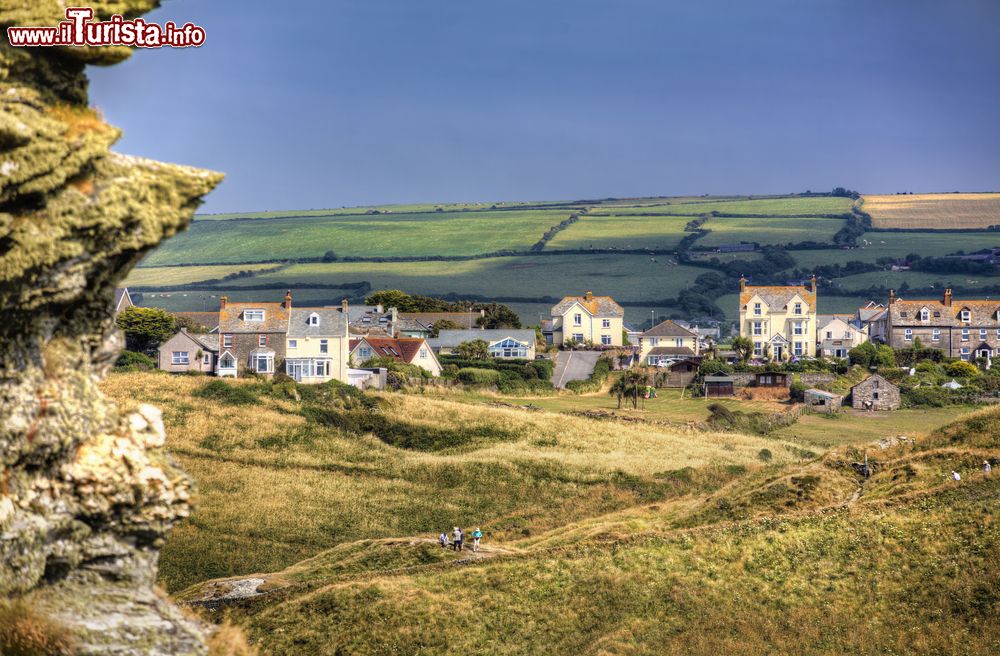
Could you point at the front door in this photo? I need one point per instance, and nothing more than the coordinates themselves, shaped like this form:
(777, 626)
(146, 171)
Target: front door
(778, 350)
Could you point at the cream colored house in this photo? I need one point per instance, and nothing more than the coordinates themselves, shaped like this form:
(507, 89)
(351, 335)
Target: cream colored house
(316, 345)
(588, 318)
(779, 320)
(838, 334)
(666, 342)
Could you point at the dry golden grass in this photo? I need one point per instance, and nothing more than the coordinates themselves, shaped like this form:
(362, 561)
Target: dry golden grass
(934, 211)
(25, 631)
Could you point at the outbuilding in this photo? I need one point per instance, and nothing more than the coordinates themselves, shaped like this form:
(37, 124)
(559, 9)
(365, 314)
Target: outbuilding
(875, 393)
(823, 401)
(771, 379)
(719, 385)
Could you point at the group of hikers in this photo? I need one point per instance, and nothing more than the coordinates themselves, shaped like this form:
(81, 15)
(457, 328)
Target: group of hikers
(987, 469)
(458, 539)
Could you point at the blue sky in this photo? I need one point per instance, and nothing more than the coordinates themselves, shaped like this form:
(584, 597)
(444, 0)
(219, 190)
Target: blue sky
(324, 104)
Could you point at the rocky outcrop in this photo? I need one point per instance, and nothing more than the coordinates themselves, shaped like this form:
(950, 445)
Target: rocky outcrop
(86, 493)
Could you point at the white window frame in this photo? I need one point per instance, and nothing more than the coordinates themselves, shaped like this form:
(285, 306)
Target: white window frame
(293, 343)
(965, 334)
(578, 337)
(797, 328)
(605, 323)
(577, 319)
(758, 327)
(253, 315)
(606, 340)
(227, 341)
(261, 341)
(798, 309)
(364, 352)
(268, 361)
(313, 319)
(908, 334)
(758, 348)
(206, 358)
(757, 311)
(966, 316)
(925, 314)
(936, 335)
(983, 334)
(180, 357)
(324, 346)
(797, 348)
(679, 342)
(423, 354)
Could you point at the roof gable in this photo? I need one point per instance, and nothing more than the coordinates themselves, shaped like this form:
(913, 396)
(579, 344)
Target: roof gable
(596, 306)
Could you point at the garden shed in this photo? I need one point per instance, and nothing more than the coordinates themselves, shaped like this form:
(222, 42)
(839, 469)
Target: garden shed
(771, 379)
(875, 393)
(719, 385)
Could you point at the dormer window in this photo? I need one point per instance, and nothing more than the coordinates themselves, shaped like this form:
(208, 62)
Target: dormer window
(798, 308)
(313, 319)
(253, 315)
(925, 315)
(966, 316)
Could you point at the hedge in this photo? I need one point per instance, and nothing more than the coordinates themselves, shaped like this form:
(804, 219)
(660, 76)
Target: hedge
(596, 380)
(478, 376)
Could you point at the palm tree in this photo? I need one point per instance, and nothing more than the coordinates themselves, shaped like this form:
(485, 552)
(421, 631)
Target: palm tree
(630, 386)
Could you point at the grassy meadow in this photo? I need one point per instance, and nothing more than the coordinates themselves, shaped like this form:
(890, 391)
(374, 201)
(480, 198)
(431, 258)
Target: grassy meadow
(786, 206)
(602, 536)
(622, 231)
(934, 211)
(278, 482)
(768, 231)
(916, 279)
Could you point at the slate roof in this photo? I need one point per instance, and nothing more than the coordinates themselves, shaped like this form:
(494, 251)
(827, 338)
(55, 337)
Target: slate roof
(868, 381)
(681, 351)
(984, 313)
(464, 319)
(669, 328)
(332, 322)
(597, 306)
(209, 341)
(275, 318)
(208, 319)
(870, 313)
(120, 293)
(401, 349)
(450, 338)
(778, 296)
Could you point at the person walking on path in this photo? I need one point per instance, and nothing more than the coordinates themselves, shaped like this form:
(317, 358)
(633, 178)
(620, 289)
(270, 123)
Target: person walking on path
(443, 540)
(956, 475)
(457, 538)
(987, 468)
(477, 535)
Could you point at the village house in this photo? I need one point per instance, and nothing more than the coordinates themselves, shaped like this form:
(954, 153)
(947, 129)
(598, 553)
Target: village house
(872, 320)
(586, 319)
(875, 393)
(374, 320)
(666, 342)
(123, 300)
(962, 329)
(502, 343)
(422, 324)
(838, 334)
(316, 345)
(252, 336)
(779, 320)
(188, 352)
(407, 350)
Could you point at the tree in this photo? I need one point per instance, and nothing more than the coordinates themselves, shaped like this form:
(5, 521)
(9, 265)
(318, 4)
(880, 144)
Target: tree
(885, 356)
(145, 328)
(743, 347)
(497, 316)
(443, 324)
(329, 256)
(477, 349)
(631, 385)
(189, 324)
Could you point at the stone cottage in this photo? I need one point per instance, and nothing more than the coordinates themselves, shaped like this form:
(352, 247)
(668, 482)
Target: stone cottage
(875, 393)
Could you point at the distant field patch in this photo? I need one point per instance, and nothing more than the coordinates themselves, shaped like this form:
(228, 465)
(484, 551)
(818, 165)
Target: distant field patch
(916, 279)
(773, 206)
(628, 232)
(934, 211)
(165, 276)
(382, 235)
(372, 210)
(783, 230)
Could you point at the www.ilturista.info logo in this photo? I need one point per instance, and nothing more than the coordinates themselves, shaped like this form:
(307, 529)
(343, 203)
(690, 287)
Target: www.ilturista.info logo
(79, 30)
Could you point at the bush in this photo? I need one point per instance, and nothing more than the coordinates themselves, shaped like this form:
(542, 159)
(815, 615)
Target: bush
(764, 455)
(26, 632)
(218, 390)
(797, 391)
(478, 376)
(926, 397)
(714, 367)
(961, 369)
(133, 361)
(596, 380)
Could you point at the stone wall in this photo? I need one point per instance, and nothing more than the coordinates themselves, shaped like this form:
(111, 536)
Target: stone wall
(87, 491)
(875, 393)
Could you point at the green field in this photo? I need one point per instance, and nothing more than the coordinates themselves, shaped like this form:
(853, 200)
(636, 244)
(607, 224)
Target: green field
(769, 231)
(916, 279)
(626, 232)
(185, 275)
(384, 235)
(794, 206)
(382, 209)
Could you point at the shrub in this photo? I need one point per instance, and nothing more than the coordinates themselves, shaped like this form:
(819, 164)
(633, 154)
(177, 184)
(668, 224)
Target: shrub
(961, 369)
(764, 455)
(797, 391)
(133, 361)
(26, 632)
(713, 367)
(596, 380)
(478, 376)
(223, 392)
(926, 397)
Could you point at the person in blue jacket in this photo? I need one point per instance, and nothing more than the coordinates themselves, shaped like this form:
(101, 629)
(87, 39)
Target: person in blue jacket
(477, 535)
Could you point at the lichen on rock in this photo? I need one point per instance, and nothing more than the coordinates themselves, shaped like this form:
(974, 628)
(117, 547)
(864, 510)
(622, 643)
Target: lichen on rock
(87, 494)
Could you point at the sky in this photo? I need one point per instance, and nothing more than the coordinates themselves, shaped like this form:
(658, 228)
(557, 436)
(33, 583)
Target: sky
(334, 103)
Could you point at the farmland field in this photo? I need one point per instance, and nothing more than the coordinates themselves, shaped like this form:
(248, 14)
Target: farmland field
(934, 211)
(384, 235)
(618, 231)
(164, 276)
(916, 279)
(768, 231)
(381, 209)
(794, 206)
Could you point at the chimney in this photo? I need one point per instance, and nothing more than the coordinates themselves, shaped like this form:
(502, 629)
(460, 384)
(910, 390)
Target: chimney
(947, 298)
(343, 306)
(590, 296)
(222, 302)
(393, 315)
(813, 288)
(288, 300)
(892, 296)
(743, 283)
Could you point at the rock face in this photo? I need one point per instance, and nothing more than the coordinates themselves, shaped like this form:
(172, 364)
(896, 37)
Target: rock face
(86, 494)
